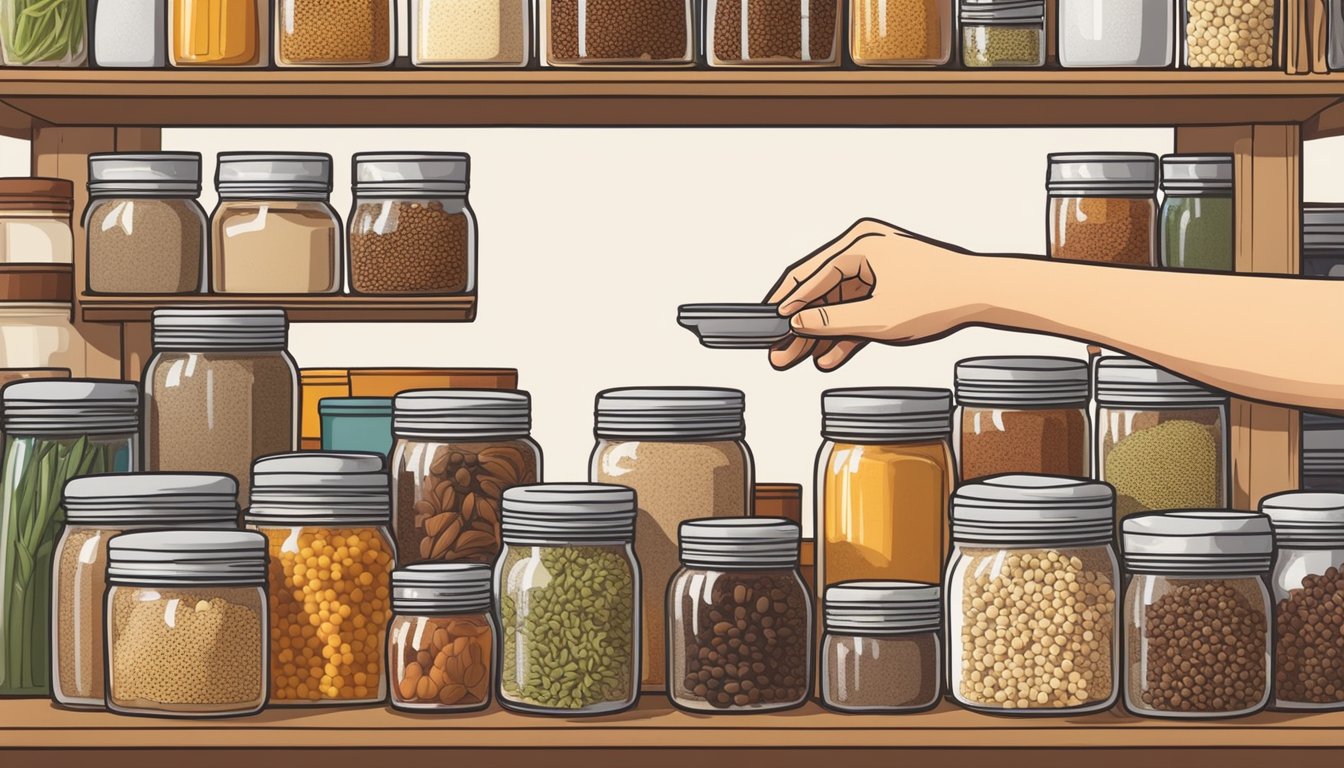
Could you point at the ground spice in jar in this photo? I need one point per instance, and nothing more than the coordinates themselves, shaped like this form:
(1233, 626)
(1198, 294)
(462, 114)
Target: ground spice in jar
(774, 30)
(334, 32)
(145, 246)
(1106, 230)
(409, 246)
(1229, 34)
(1165, 462)
(83, 575)
(1044, 441)
(1309, 650)
(470, 31)
(620, 30)
(899, 31)
(895, 672)
(281, 246)
(999, 45)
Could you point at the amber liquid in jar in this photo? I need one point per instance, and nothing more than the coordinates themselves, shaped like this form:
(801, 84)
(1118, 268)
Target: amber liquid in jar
(216, 32)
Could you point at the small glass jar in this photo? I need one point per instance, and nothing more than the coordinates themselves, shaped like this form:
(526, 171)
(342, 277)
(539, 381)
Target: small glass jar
(146, 231)
(449, 33)
(457, 452)
(900, 33)
(219, 33)
(335, 33)
(1229, 34)
(35, 221)
(881, 652)
(130, 34)
(1023, 415)
(325, 518)
(220, 391)
(567, 588)
(441, 645)
(1308, 591)
(186, 623)
(684, 452)
(274, 230)
(739, 618)
(883, 479)
(96, 509)
(773, 32)
(47, 34)
(55, 431)
(1198, 218)
(1002, 35)
(1197, 614)
(361, 424)
(412, 230)
(1103, 208)
(617, 32)
(1323, 240)
(1116, 33)
(1322, 452)
(1162, 439)
(1025, 544)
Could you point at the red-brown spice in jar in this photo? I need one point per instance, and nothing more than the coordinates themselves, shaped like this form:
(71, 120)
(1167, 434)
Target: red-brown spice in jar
(633, 30)
(775, 30)
(1106, 230)
(1045, 441)
(417, 247)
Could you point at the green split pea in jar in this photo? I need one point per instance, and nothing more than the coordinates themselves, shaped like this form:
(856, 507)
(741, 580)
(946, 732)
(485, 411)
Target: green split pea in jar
(1198, 221)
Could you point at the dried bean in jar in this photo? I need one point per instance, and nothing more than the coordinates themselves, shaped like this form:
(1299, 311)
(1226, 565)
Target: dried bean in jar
(1309, 651)
(410, 246)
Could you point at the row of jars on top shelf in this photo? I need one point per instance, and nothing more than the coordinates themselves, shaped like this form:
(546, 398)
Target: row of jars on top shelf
(446, 33)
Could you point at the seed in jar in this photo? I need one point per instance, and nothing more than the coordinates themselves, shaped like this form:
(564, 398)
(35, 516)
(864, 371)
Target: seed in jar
(774, 30)
(898, 30)
(1309, 652)
(335, 31)
(635, 30)
(409, 247)
(1229, 34)
(449, 665)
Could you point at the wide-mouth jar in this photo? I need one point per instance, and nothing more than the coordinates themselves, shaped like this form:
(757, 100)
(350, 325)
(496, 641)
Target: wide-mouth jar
(1116, 33)
(487, 33)
(772, 32)
(35, 221)
(441, 645)
(882, 650)
(1002, 33)
(1198, 228)
(617, 32)
(335, 33)
(900, 33)
(1103, 207)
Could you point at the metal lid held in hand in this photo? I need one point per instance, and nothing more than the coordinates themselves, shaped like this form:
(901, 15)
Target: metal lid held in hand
(152, 499)
(276, 175)
(1183, 174)
(187, 556)
(209, 328)
(442, 589)
(670, 413)
(414, 174)
(882, 607)
(1196, 541)
(1022, 381)
(53, 407)
(743, 543)
(314, 487)
(1033, 510)
(886, 415)
(176, 174)
(1102, 174)
(463, 414)
(558, 513)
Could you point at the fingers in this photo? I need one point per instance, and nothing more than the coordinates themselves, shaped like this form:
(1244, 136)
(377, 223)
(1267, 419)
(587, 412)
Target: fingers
(839, 354)
(804, 268)
(857, 319)
(848, 266)
(791, 352)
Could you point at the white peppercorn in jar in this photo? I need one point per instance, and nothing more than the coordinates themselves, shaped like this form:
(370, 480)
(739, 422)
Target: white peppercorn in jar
(882, 651)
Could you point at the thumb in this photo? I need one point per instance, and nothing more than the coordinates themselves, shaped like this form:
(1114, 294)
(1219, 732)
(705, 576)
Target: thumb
(855, 319)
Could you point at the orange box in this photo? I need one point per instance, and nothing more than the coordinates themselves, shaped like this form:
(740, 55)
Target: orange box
(316, 384)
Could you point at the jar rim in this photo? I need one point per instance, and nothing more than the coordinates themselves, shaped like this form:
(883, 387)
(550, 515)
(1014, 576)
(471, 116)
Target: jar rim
(155, 499)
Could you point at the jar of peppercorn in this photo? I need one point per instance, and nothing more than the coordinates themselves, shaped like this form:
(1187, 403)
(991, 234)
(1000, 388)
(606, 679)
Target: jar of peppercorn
(441, 645)
(617, 32)
(412, 230)
(794, 34)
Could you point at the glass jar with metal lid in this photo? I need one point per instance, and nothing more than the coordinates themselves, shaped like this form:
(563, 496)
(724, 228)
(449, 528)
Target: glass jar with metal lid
(1323, 240)
(219, 33)
(1229, 34)
(1198, 218)
(146, 231)
(441, 645)
(1002, 33)
(53, 33)
(35, 221)
(1322, 452)
(882, 650)
(802, 34)
(98, 507)
(1103, 207)
(274, 230)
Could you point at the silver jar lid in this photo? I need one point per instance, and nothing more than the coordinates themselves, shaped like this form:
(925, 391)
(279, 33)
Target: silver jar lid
(886, 414)
(561, 513)
(1102, 174)
(53, 407)
(1323, 227)
(207, 328)
(442, 588)
(1033, 510)
(1130, 382)
(412, 174)
(1306, 520)
(462, 414)
(314, 487)
(882, 607)
(1022, 381)
(739, 543)
(1322, 434)
(152, 499)
(670, 413)
(1184, 174)
(187, 556)
(1198, 541)
(274, 175)
(174, 174)
(1002, 12)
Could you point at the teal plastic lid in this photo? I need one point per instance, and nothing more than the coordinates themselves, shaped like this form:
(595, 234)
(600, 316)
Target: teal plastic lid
(355, 406)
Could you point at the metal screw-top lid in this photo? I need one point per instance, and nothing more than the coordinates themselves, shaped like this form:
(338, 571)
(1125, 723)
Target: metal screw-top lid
(187, 556)
(741, 543)
(152, 499)
(1102, 174)
(397, 174)
(1307, 520)
(560, 513)
(1130, 382)
(71, 407)
(1185, 174)
(1323, 227)
(442, 588)
(315, 487)
(209, 328)
(1022, 381)
(1197, 541)
(1002, 12)
(277, 175)
(882, 607)
(671, 413)
(36, 194)
(463, 414)
(176, 174)
(1033, 510)
(886, 414)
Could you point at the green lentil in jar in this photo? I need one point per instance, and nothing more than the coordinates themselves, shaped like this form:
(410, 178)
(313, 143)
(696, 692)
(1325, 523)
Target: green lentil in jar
(996, 45)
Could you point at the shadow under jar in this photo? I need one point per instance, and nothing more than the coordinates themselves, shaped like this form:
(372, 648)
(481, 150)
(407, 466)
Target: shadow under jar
(900, 33)
(754, 33)
(335, 33)
(998, 34)
(1103, 208)
(441, 645)
(617, 32)
(1197, 614)
(881, 652)
(1198, 218)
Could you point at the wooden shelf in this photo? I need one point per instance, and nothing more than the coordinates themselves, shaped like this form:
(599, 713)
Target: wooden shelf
(301, 309)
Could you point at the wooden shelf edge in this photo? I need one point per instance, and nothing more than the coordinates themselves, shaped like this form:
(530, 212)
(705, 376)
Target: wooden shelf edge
(300, 309)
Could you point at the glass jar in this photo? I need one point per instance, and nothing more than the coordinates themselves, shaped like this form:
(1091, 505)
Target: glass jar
(567, 587)
(1023, 415)
(1229, 34)
(1197, 614)
(1162, 439)
(885, 33)
(54, 33)
(412, 230)
(96, 509)
(881, 652)
(739, 618)
(130, 34)
(219, 33)
(1322, 452)
(1116, 33)
(1323, 240)
(186, 623)
(487, 33)
(1002, 34)
(1198, 219)
(684, 452)
(884, 475)
(765, 32)
(441, 645)
(1025, 544)
(35, 221)
(54, 431)
(146, 231)
(335, 33)
(617, 32)
(1103, 207)
(362, 424)
(457, 451)
(274, 230)
(325, 518)
(220, 391)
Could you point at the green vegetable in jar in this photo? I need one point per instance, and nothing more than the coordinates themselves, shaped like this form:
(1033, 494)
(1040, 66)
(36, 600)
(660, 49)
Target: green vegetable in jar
(43, 31)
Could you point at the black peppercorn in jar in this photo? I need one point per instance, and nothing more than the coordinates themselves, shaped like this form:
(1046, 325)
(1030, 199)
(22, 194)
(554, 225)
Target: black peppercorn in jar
(779, 32)
(617, 32)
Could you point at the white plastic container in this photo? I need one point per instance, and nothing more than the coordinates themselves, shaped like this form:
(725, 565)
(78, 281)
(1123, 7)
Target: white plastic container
(130, 34)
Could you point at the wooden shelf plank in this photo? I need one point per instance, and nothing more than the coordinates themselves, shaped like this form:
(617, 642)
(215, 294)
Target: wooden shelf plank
(301, 309)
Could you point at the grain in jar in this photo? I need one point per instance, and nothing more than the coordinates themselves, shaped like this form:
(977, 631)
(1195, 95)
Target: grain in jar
(882, 651)
(219, 33)
(496, 33)
(1198, 228)
(1002, 33)
(1116, 33)
(441, 644)
(335, 33)
(35, 221)
(895, 33)
(1103, 207)
(617, 32)
(793, 33)
(1229, 34)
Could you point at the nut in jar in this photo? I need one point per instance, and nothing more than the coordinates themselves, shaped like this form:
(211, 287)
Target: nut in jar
(441, 644)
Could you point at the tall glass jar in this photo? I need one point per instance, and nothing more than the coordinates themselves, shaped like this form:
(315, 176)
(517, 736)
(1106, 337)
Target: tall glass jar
(325, 517)
(1103, 208)
(900, 33)
(1322, 452)
(1323, 240)
(1002, 34)
(47, 34)
(146, 231)
(1116, 33)
(220, 391)
(335, 33)
(617, 32)
(441, 645)
(884, 474)
(1162, 439)
(97, 508)
(1198, 219)
(882, 651)
(778, 32)
(449, 33)
(55, 431)
(457, 452)
(412, 230)
(274, 230)
(567, 587)
(186, 623)
(1033, 621)
(219, 33)
(1229, 34)
(1023, 415)
(684, 452)
(35, 221)
(1197, 614)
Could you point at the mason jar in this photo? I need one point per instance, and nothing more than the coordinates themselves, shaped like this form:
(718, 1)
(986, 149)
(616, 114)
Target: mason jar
(882, 651)
(448, 33)
(130, 34)
(441, 645)
(1322, 463)
(650, 32)
(567, 589)
(901, 33)
(323, 33)
(219, 33)
(1103, 208)
(1198, 218)
(1229, 34)
(792, 34)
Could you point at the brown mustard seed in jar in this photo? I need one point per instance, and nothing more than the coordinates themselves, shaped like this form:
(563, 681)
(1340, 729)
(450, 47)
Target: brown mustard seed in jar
(620, 30)
(409, 246)
(774, 30)
(314, 32)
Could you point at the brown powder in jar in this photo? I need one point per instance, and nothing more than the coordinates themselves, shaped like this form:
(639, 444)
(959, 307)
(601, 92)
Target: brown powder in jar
(636, 30)
(879, 672)
(275, 247)
(1106, 230)
(146, 246)
(1051, 441)
(407, 246)
(334, 31)
(81, 581)
(775, 30)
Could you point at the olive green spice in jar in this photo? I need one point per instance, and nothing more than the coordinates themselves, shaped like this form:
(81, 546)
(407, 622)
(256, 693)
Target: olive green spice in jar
(1198, 219)
(1002, 33)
